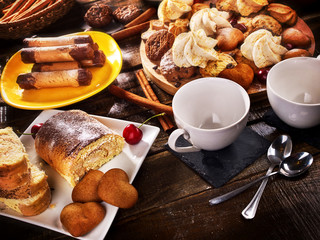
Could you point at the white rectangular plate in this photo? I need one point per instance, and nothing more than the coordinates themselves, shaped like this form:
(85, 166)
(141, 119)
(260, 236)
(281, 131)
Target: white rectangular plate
(130, 160)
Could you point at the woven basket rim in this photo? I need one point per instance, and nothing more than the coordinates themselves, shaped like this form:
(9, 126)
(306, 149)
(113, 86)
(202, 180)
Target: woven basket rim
(37, 14)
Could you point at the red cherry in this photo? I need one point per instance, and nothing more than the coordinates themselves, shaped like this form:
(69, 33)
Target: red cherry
(241, 27)
(132, 134)
(262, 74)
(35, 129)
(198, 1)
(233, 21)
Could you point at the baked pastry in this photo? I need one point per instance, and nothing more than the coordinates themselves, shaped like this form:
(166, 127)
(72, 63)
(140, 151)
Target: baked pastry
(30, 206)
(263, 21)
(14, 169)
(244, 7)
(283, 13)
(81, 218)
(296, 38)
(179, 26)
(296, 52)
(87, 189)
(171, 71)
(229, 38)
(99, 15)
(158, 44)
(72, 143)
(114, 188)
(24, 187)
(252, 32)
(126, 14)
(241, 74)
(214, 67)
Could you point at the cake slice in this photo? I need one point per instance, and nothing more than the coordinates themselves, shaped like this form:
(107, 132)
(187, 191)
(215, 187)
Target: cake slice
(23, 186)
(14, 170)
(72, 142)
(31, 206)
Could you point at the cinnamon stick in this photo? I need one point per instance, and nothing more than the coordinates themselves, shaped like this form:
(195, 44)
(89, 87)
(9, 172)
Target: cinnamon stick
(131, 31)
(14, 7)
(33, 9)
(26, 6)
(146, 15)
(165, 121)
(141, 101)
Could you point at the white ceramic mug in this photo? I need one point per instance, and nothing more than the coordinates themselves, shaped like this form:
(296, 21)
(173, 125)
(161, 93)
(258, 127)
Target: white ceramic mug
(210, 113)
(293, 89)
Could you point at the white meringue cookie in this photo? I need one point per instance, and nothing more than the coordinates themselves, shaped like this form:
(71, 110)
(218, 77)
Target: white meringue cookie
(209, 19)
(193, 49)
(263, 48)
(173, 9)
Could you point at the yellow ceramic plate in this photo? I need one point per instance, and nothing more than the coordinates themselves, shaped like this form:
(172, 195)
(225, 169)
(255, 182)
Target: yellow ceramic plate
(48, 98)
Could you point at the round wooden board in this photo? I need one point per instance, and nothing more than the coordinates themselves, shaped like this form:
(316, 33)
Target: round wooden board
(256, 91)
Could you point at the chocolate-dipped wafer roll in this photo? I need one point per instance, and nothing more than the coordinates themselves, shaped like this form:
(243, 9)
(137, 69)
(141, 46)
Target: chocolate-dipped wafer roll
(66, 53)
(98, 60)
(55, 66)
(57, 41)
(66, 78)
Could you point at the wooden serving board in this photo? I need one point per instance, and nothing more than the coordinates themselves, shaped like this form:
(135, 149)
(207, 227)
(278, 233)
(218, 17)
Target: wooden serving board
(256, 91)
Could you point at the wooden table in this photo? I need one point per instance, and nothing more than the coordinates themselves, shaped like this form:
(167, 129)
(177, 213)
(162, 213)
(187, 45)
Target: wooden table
(173, 201)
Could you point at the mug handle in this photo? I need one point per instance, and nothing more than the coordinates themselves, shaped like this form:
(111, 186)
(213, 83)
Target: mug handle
(173, 138)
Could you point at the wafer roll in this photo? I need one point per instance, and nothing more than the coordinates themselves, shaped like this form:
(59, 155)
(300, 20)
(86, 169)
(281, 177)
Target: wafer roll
(67, 78)
(67, 53)
(57, 41)
(56, 66)
(98, 60)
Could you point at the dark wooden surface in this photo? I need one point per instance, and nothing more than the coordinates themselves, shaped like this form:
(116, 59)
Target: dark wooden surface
(173, 200)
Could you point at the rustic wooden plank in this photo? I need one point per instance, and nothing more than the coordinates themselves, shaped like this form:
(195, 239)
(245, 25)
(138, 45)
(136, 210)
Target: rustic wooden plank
(283, 199)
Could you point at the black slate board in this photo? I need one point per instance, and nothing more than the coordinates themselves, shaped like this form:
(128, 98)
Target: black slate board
(218, 167)
(310, 135)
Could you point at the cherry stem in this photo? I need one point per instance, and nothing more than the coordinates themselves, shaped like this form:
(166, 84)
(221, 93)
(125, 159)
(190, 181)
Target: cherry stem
(157, 115)
(21, 133)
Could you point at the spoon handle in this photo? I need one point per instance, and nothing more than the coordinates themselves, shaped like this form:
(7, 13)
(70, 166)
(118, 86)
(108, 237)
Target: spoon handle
(250, 211)
(235, 192)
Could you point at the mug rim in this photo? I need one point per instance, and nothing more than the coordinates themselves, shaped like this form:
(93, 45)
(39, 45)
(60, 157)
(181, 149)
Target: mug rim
(274, 68)
(244, 93)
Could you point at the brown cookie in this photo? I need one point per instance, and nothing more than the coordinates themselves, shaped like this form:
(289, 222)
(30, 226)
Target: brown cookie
(126, 14)
(267, 22)
(158, 44)
(114, 188)
(99, 15)
(81, 218)
(87, 189)
(171, 71)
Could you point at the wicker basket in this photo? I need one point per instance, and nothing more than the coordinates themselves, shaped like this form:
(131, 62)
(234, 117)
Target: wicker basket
(35, 22)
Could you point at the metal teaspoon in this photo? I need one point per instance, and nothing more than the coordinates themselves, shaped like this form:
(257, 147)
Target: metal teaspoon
(280, 149)
(291, 166)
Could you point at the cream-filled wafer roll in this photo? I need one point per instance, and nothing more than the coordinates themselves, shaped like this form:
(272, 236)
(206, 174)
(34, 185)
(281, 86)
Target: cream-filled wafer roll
(55, 66)
(57, 41)
(66, 78)
(67, 53)
(98, 60)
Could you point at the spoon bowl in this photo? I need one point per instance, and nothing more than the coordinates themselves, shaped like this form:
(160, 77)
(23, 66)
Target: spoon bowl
(291, 166)
(296, 164)
(280, 149)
